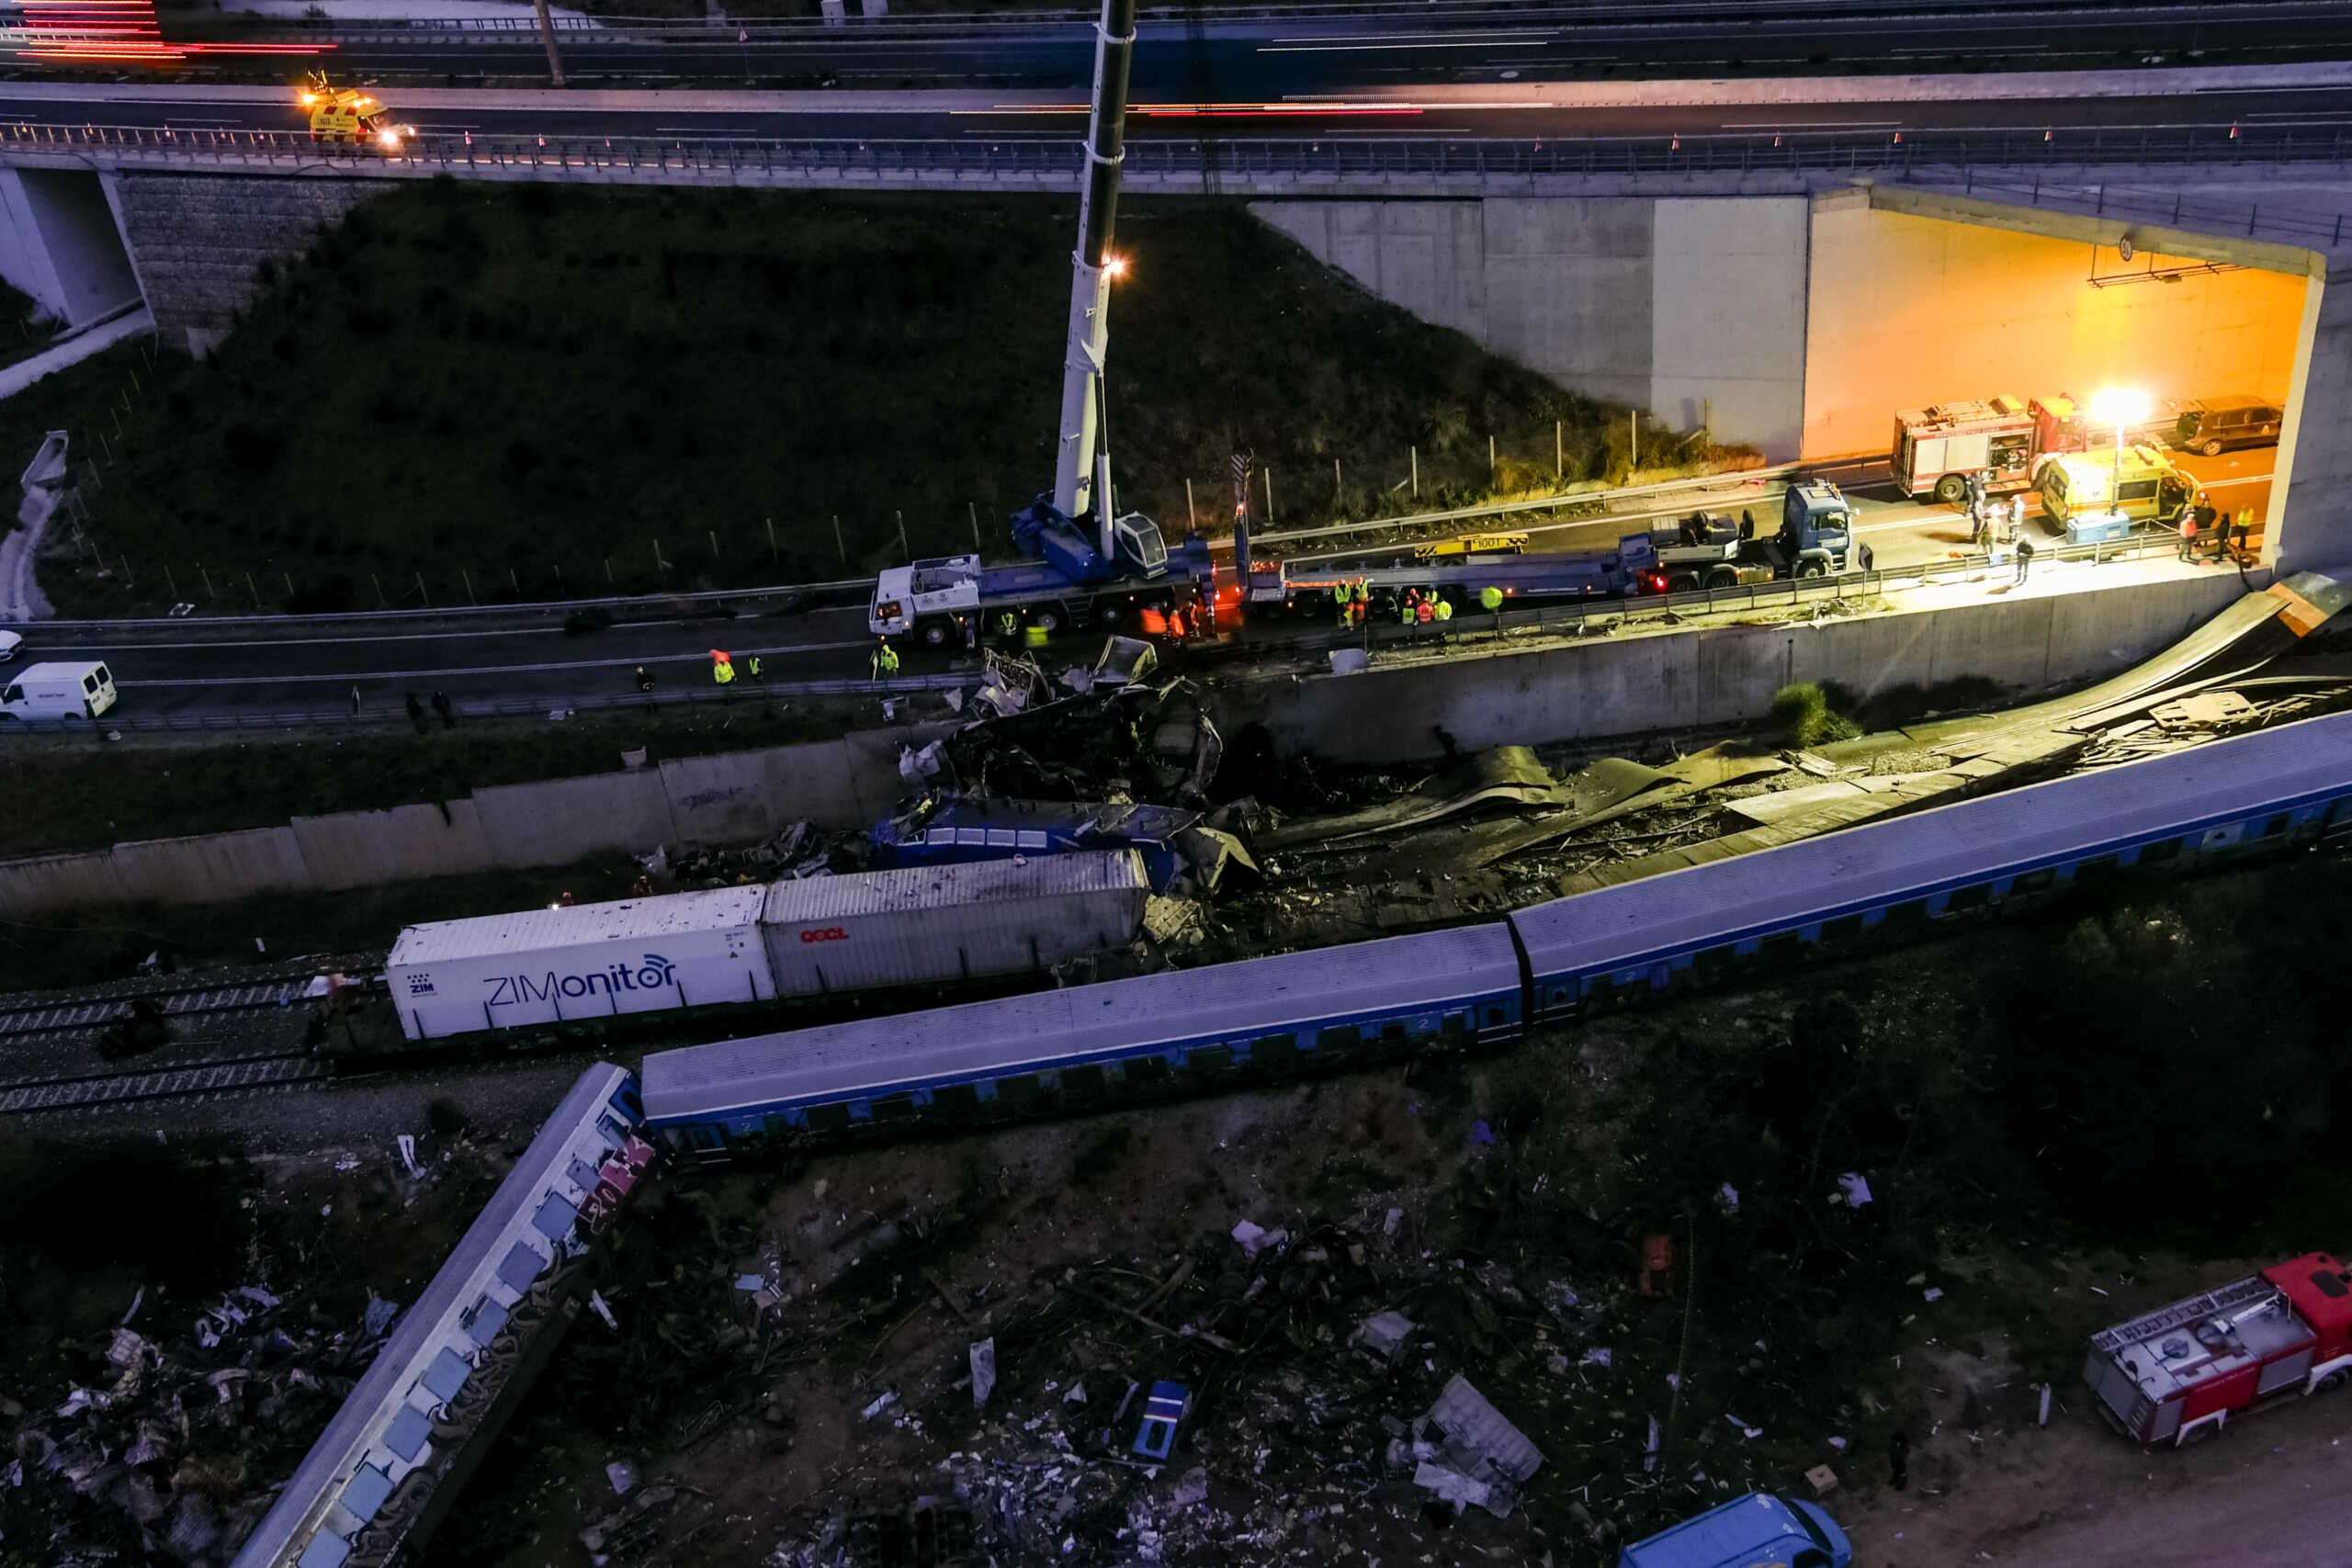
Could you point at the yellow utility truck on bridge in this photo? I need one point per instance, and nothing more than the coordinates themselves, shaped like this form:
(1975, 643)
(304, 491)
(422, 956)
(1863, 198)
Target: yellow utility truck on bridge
(350, 116)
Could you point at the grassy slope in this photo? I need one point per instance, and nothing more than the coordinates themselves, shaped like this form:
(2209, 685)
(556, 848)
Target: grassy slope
(493, 380)
(74, 797)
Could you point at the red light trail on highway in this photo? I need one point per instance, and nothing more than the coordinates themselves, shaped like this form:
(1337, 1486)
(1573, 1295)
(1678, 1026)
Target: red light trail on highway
(118, 32)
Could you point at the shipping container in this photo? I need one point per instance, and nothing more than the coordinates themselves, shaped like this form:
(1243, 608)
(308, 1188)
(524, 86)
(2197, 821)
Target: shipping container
(582, 962)
(921, 925)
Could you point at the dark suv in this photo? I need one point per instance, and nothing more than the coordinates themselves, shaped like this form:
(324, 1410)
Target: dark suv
(2227, 421)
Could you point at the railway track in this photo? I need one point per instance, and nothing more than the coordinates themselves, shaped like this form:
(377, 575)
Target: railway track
(187, 1080)
(33, 1013)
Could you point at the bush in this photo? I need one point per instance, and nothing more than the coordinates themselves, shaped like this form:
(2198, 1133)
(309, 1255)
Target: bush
(1803, 715)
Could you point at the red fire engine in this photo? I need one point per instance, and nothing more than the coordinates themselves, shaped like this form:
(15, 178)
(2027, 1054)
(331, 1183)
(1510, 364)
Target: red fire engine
(1937, 448)
(2179, 1374)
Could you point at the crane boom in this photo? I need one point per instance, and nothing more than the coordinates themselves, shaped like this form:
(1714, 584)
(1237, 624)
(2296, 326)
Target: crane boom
(1075, 467)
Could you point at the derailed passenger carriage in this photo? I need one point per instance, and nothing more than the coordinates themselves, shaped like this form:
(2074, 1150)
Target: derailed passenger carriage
(1261, 1019)
(1897, 879)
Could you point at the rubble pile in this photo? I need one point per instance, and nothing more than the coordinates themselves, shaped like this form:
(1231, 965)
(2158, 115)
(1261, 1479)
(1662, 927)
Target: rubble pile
(170, 1452)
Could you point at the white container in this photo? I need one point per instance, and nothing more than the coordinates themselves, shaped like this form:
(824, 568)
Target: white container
(920, 925)
(587, 962)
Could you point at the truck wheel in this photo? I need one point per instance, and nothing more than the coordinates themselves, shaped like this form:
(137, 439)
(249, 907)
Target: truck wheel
(2330, 1382)
(2211, 448)
(933, 633)
(1722, 577)
(1046, 619)
(1813, 568)
(1951, 489)
(1682, 583)
(1109, 613)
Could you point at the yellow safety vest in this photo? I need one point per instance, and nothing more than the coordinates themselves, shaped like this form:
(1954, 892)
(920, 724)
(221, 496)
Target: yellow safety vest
(723, 672)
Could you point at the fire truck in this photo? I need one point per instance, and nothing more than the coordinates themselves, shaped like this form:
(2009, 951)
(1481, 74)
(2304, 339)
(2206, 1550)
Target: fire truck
(1937, 448)
(2178, 1374)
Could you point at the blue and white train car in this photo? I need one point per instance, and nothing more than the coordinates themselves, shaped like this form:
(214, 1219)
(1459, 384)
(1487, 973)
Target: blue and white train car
(1264, 1017)
(1890, 879)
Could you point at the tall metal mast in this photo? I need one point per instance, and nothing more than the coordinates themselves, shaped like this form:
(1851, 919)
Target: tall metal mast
(1075, 475)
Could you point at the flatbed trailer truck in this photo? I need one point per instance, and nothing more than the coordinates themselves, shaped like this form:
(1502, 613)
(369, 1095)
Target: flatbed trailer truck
(1708, 551)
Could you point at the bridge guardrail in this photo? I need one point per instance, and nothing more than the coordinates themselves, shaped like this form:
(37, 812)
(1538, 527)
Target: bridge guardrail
(982, 22)
(1941, 154)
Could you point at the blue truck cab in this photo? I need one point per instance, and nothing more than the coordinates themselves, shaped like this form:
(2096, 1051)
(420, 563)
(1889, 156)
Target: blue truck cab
(1755, 1532)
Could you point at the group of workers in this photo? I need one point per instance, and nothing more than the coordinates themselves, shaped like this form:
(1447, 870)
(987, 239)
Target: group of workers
(2201, 520)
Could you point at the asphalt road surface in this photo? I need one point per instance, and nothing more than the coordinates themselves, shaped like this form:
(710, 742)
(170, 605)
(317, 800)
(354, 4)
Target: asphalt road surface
(1507, 110)
(1246, 58)
(163, 674)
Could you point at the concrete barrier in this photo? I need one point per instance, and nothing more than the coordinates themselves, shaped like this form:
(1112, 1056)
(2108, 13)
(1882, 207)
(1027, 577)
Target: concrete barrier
(216, 867)
(1639, 681)
(43, 882)
(361, 849)
(557, 821)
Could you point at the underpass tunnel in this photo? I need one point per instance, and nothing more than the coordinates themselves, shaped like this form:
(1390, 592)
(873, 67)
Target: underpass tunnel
(61, 242)
(1917, 297)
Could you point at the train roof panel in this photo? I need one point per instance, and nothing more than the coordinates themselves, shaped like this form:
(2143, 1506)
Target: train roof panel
(1887, 862)
(1237, 1001)
(955, 886)
(579, 925)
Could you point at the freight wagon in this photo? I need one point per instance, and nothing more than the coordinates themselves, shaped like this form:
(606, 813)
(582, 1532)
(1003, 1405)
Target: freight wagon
(674, 960)
(1472, 986)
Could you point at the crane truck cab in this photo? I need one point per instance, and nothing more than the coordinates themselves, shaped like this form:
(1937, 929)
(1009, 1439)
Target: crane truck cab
(1707, 551)
(349, 116)
(926, 597)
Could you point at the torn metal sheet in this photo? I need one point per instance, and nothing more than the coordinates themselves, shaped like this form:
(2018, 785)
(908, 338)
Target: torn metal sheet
(1465, 1416)
(1784, 804)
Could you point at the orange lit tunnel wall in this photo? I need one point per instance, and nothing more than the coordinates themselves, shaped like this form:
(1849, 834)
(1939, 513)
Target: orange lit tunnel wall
(1905, 310)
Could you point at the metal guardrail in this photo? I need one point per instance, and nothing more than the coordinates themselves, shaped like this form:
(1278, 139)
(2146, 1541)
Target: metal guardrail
(744, 693)
(1585, 12)
(1940, 155)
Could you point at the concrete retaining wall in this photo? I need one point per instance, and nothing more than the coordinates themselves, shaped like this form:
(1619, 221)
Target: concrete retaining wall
(59, 243)
(199, 240)
(1691, 308)
(731, 798)
(1697, 680)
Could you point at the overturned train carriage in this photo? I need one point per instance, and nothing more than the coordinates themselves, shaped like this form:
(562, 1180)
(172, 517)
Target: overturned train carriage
(1482, 985)
(1260, 1019)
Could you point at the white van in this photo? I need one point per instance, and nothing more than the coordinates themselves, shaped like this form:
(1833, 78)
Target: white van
(58, 690)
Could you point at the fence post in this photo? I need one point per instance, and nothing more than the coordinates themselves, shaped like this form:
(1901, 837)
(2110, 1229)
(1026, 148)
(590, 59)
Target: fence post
(1491, 461)
(773, 554)
(712, 534)
(469, 586)
(1416, 454)
(1269, 472)
(903, 547)
(1191, 518)
(1338, 487)
(1559, 460)
(972, 510)
(171, 584)
(212, 596)
(839, 548)
(253, 591)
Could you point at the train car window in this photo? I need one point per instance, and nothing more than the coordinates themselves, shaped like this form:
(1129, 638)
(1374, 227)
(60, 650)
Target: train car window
(1088, 1082)
(1279, 1052)
(1778, 949)
(1456, 1025)
(1344, 1037)
(1713, 963)
(2099, 868)
(1599, 990)
(1966, 898)
(1209, 1059)
(2034, 882)
(1497, 1018)
(1393, 1032)
(1145, 1069)
(1017, 1089)
(2164, 851)
(1909, 914)
(892, 1108)
(827, 1118)
(956, 1097)
(1844, 929)
(2275, 827)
